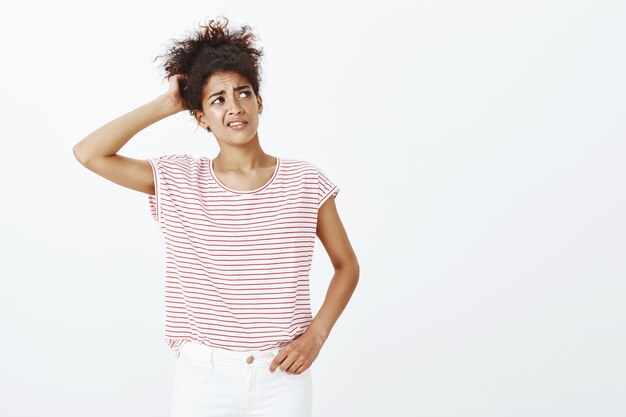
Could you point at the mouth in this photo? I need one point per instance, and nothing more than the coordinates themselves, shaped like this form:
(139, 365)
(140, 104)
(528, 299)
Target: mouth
(237, 125)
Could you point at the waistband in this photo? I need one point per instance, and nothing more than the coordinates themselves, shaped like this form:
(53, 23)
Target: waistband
(212, 355)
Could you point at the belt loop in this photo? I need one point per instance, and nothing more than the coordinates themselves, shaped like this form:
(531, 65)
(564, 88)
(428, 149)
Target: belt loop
(212, 349)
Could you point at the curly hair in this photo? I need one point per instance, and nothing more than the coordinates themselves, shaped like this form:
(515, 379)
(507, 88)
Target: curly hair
(210, 49)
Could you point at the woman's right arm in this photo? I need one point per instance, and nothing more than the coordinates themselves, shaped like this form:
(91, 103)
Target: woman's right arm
(98, 151)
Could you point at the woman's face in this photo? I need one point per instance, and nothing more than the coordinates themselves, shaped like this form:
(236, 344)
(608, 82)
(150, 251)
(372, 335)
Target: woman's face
(227, 96)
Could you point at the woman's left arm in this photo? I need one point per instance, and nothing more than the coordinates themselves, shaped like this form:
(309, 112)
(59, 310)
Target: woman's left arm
(333, 236)
(300, 354)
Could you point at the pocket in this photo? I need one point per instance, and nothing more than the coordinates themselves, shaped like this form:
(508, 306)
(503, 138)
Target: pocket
(189, 357)
(304, 375)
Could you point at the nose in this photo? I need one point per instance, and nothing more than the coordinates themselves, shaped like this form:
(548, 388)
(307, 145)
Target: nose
(235, 108)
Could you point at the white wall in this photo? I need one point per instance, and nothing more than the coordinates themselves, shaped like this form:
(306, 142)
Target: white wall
(479, 147)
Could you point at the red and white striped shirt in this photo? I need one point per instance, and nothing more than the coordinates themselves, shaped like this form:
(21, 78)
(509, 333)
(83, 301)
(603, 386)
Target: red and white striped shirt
(237, 262)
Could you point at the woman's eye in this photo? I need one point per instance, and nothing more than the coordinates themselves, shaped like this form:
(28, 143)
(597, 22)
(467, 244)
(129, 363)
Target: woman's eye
(246, 91)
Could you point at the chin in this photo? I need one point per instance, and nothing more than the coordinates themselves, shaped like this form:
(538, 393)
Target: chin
(240, 141)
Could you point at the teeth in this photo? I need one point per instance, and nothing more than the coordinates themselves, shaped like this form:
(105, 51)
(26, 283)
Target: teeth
(235, 123)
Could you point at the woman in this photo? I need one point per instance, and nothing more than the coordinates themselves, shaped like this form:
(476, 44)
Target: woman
(239, 231)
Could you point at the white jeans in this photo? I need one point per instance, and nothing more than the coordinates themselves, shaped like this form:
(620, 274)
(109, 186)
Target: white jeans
(211, 382)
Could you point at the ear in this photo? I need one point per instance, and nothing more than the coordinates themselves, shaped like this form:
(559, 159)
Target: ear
(259, 101)
(199, 116)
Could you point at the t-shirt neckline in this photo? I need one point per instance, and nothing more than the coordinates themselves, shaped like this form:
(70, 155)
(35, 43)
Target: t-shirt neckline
(244, 191)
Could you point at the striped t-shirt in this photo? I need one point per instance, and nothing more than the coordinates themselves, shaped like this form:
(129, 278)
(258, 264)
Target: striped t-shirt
(236, 262)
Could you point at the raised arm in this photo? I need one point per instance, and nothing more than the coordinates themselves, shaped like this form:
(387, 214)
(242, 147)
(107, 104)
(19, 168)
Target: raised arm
(98, 151)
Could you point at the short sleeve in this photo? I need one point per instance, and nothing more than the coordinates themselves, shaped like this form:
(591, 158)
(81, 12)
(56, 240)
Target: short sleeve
(165, 169)
(153, 200)
(326, 188)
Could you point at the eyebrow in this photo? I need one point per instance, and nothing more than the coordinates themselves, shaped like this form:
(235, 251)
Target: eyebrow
(241, 87)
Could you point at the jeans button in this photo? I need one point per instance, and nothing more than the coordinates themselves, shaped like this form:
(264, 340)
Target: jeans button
(250, 359)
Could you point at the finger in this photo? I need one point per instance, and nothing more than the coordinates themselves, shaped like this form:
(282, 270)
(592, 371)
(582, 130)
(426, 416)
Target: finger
(291, 363)
(298, 368)
(278, 359)
(283, 361)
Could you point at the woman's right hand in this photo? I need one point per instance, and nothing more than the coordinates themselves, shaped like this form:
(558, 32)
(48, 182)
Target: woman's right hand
(173, 93)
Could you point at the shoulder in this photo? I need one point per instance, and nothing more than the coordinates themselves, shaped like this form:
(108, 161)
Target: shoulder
(302, 166)
(174, 158)
(174, 165)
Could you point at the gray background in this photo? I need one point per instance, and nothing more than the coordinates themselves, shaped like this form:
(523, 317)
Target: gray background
(479, 147)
